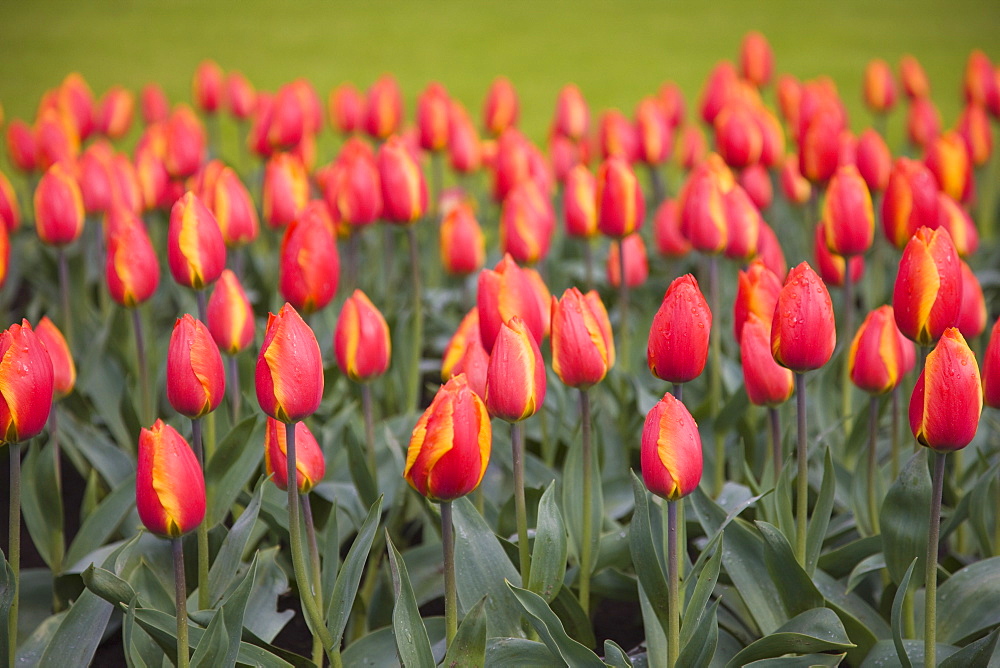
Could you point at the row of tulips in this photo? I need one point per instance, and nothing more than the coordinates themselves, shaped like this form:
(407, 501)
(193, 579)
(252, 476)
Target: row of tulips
(495, 364)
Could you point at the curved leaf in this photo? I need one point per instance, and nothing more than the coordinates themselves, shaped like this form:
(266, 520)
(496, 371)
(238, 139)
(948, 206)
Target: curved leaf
(644, 558)
(412, 643)
(817, 630)
(897, 622)
(904, 518)
(548, 555)
(615, 656)
(797, 591)
(820, 518)
(503, 652)
(468, 648)
(345, 590)
(969, 601)
(227, 561)
(235, 459)
(552, 632)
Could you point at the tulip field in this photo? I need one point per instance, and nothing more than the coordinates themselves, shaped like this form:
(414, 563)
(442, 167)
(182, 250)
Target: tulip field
(299, 376)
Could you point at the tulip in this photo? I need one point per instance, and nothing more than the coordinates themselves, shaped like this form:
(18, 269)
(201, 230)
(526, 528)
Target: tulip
(354, 192)
(463, 247)
(703, 214)
(63, 368)
(361, 339)
(879, 87)
(515, 380)
(169, 485)
(132, 270)
(836, 270)
(928, 293)
(4, 254)
(404, 191)
(980, 82)
(185, 148)
(848, 218)
(384, 108)
(616, 136)
(635, 261)
(672, 101)
(756, 180)
(154, 104)
(527, 222)
(972, 312)
(432, 117)
(756, 59)
(500, 108)
(512, 165)
(572, 117)
(347, 109)
(738, 136)
(21, 146)
(583, 349)
(911, 73)
(653, 136)
(10, 211)
(26, 383)
(767, 383)
(505, 292)
(719, 89)
(59, 213)
(910, 201)
(287, 127)
(974, 127)
(991, 368)
(923, 122)
(240, 95)
(875, 357)
(234, 209)
(56, 139)
(874, 161)
(948, 160)
(691, 147)
(114, 112)
(464, 152)
(579, 206)
(207, 86)
(756, 294)
(196, 252)
(289, 376)
(794, 186)
(196, 380)
(667, 231)
(743, 222)
(230, 316)
(309, 462)
(465, 354)
(679, 336)
(803, 335)
(310, 266)
(286, 189)
(94, 176)
(818, 146)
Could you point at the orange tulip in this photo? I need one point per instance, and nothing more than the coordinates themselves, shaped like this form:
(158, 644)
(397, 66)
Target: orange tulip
(432, 117)
(404, 190)
(767, 383)
(169, 484)
(463, 247)
(10, 211)
(361, 339)
(505, 292)
(803, 334)
(848, 216)
(948, 398)
(527, 222)
(465, 354)
(948, 159)
(196, 380)
(875, 358)
(879, 87)
(384, 108)
(955, 219)
(234, 210)
(914, 79)
(756, 294)
(229, 314)
(58, 207)
(974, 127)
(63, 368)
(583, 349)
(132, 270)
(579, 205)
(515, 378)
(832, 267)
(289, 376)
(310, 466)
(500, 109)
(910, 201)
(756, 59)
(671, 450)
(928, 291)
(636, 261)
(196, 252)
(972, 312)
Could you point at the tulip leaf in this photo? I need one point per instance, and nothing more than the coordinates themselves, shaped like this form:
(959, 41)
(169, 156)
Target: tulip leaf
(481, 566)
(903, 519)
(704, 575)
(112, 462)
(107, 585)
(615, 656)
(362, 477)
(866, 566)
(656, 635)
(647, 564)
(897, 614)
(412, 642)
(974, 654)
(865, 626)
(552, 632)
(221, 642)
(468, 648)
(820, 518)
(133, 655)
(227, 561)
(969, 601)
(262, 617)
(6, 600)
(571, 614)
(572, 505)
(379, 649)
(101, 524)
(984, 502)
(805, 661)
(699, 650)
(816, 630)
(884, 653)
(502, 652)
(548, 556)
(214, 644)
(235, 459)
(41, 505)
(797, 591)
(341, 598)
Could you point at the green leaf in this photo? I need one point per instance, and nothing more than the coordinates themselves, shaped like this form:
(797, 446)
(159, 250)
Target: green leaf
(504, 652)
(330, 566)
(798, 593)
(572, 505)
(806, 661)
(548, 556)
(41, 505)
(897, 621)
(379, 649)
(133, 657)
(973, 655)
(817, 630)
(6, 600)
(227, 561)
(262, 617)
(647, 564)
(841, 561)
(872, 564)
(884, 653)
(615, 656)
(214, 644)
(341, 599)
(820, 519)
(656, 635)
(412, 643)
(107, 585)
(357, 460)
(864, 625)
(552, 632)
(984, 501)
(101, 524)
(481, 567)
(575, 620)
(704, 578)
(969, 601)
(236, 458)
(234, 608)
(903, 519)
(699, 650)
(468, 648)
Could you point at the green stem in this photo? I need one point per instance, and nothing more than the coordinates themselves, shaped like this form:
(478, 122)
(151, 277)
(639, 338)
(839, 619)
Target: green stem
(67, 313)
(140, 354)
(845, 381)
(14, 546)
(930, 574)
(895, 432)
(586, 558)
(623, 308)
(659, 189)
(802, 498)
(673, 591)
(437, 181)
(202, 305)
(233, 387)
(517, 450)
(450, 588)
(366, 407)
(413, 386)
(59, 544)
(588, 262)
(772, 415)
(204, 603)
(180, 597)
(873, 465)
(314, 565)
(715, 373)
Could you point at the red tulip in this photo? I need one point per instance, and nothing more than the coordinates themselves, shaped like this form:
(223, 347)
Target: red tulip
(678, 338)
(803, 334)
(691, 147)
(361, 340)
(738, 137)
(818, 145)
(206, 86)
(515, 378)
(75, 101)
(948, 397)
(384, 108)
(756, 59)
(654, 137)
(154, 104)
(26, 383)
(832, 267)
(572, 117)
(848, 217)
(672, 101)
(169, 484)
(928, 291)
(63, 368)
(972, 312)
(616, 136)
(974, 127)
(229, 314)
(4, 254)
(794, 186)
(93, 174)
(58, 207)
(702, 206)
(450, 446)
(464, 152)
(404, 190)
(114, 112)
(234, 210)
(879, 87)
(310, 266)
(500, 109)
(767, 383)
(991, 368)
(289, 377)
(910, 201)
(961, 229)
(310, 466)
(56, 139)
(743, 222)
(185, 149)
(131, 269)
(671, 450)
(432, 117)
(948, 160)
(196, 252)
(670, 242)
(769, 250)
(527, 222)
(288, 124)
(874, 160)
(10, 212)
(579, 204)
(923, 122)
(875, 358)
(980, 82)
(756, 180)
(505, 292)
(512, 163)
(347, 109)
(756, 294)
(583, 349)
(286, 189)
(636, 261)
(914, 79)
(718, 91)
(465, 354)
(354, 191)
(196, 380)
(241, 97)
(21, 146)
(463, 248)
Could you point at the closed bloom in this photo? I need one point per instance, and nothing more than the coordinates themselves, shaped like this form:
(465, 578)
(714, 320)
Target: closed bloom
(230, 316)
(289, 376)
(972, 313)
(354, 191)
(756, 180)
(241, 97)
(207, 86)
(26, 383)
(702, 206)
(572, 116)
(832, 267)
(991, 368)
(620, 204)
(636, 261)
(58, 207)
(803, 334)
(196, 380)
(910, 201)
(347, 109)
(154, 104)
(720, 88)
(465, 354)
(384, 108)
(974, 127)
(769, 250)
(616, 136)
(450, 446)
(671, 450)
(93, 174)
(911, 73)
(738, 136)
(848, 217)
(310, 466)
(667, 231)
(464, 152)
(463, 247)
(579, 204)
(404, 190)
(948, 159)
(928, 291)
(310, 266)
(819, 145)
(21, 146)
(678, 339)
(4, 254)
(874, 160)
(875, 358)
(948, 398)
(432, 117)
(743, 222)
(286, 189)
(169, 483)
(501, 108)
(527, 222)
(795, 187)
(757, 292)
(234, 209)
(505, 292)
(185, 148)
(879, 87)
(767, 383)
(653, 135)
(923, 122)
(196, 251)
(10, 211)
(691, 146)
(961, 228)
(583, 349)
(756, 59)
(131, 268)
(515, 378)
(361, 340)
(63, 367)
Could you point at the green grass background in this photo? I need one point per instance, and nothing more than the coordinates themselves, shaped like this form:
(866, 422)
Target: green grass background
(615, 51)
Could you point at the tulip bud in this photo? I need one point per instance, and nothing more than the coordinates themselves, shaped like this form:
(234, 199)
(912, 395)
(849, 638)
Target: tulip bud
(980, 82)
(670, 242)
(169, 483)
(286, 189)
(874, 160)
(819, 145)
(678, 338)
(503, 293)
(616, 136)
(234, 210)
(718, 91)
(4, 254)
(756, 294)
(450, 446)
(991, 368)
(500, 109)
(923, 122)
(154, 104)
(354, 192)
(672, 101)
(961, 229)
(948, 160)
(206, 86)
(241, 97)
(131, 268)
(230, 316)
(579, 204)
(185, 149)
(289, 376)
(737, 136)
(756, 59)
(464, 152)
(21, 146)
(972, 312)
(654, 137)
(756, 180)
(287, 126)
(911, 73)
(196, 252)
(691, 147)
(384, 108)
(636, 261)
(310, 466)
(832, 267)
(55, 139)
(515, 379)
(347, 109)
(879, 87)
(974, 127)
(432, 117)
(671, 450)
(794, 186)
(910, 201)
(527, 222)
(875, 358)
(803, 334)
(572, 117)
(361, 340)
(114, 112)
(63, 368)
(583, 349)
(948, 398)
(26, 383)
(196, 380)
(310, 266)
(58, 207)
(463, 248)
(404, 190)
(767, 383)
(769, 250)
(928, 291)
(93, 174)
(465, 354)
(743, 222)
(703, 211)
(10, 211)
(512, 163)
(848, 217)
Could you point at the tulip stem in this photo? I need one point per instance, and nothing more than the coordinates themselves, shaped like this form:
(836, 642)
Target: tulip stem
(14, 546)
(895, 431)
(517, 450)
(623, 307)
(310, 607)
(715, 375)
(588, 262)
(659, 189)
(873, 465)
(845, 381)
(437, 181)
(64, 295)
(235, 396)
(314, 565)
(413, 386)
(450, 588)
(180, 598)
(930, 574)
(203, 600)
(586, 557)
(673, 591)
(773, 417)
(802, 498)
(140, 354)
(366, 407)
(202, 305)
(59, 546)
